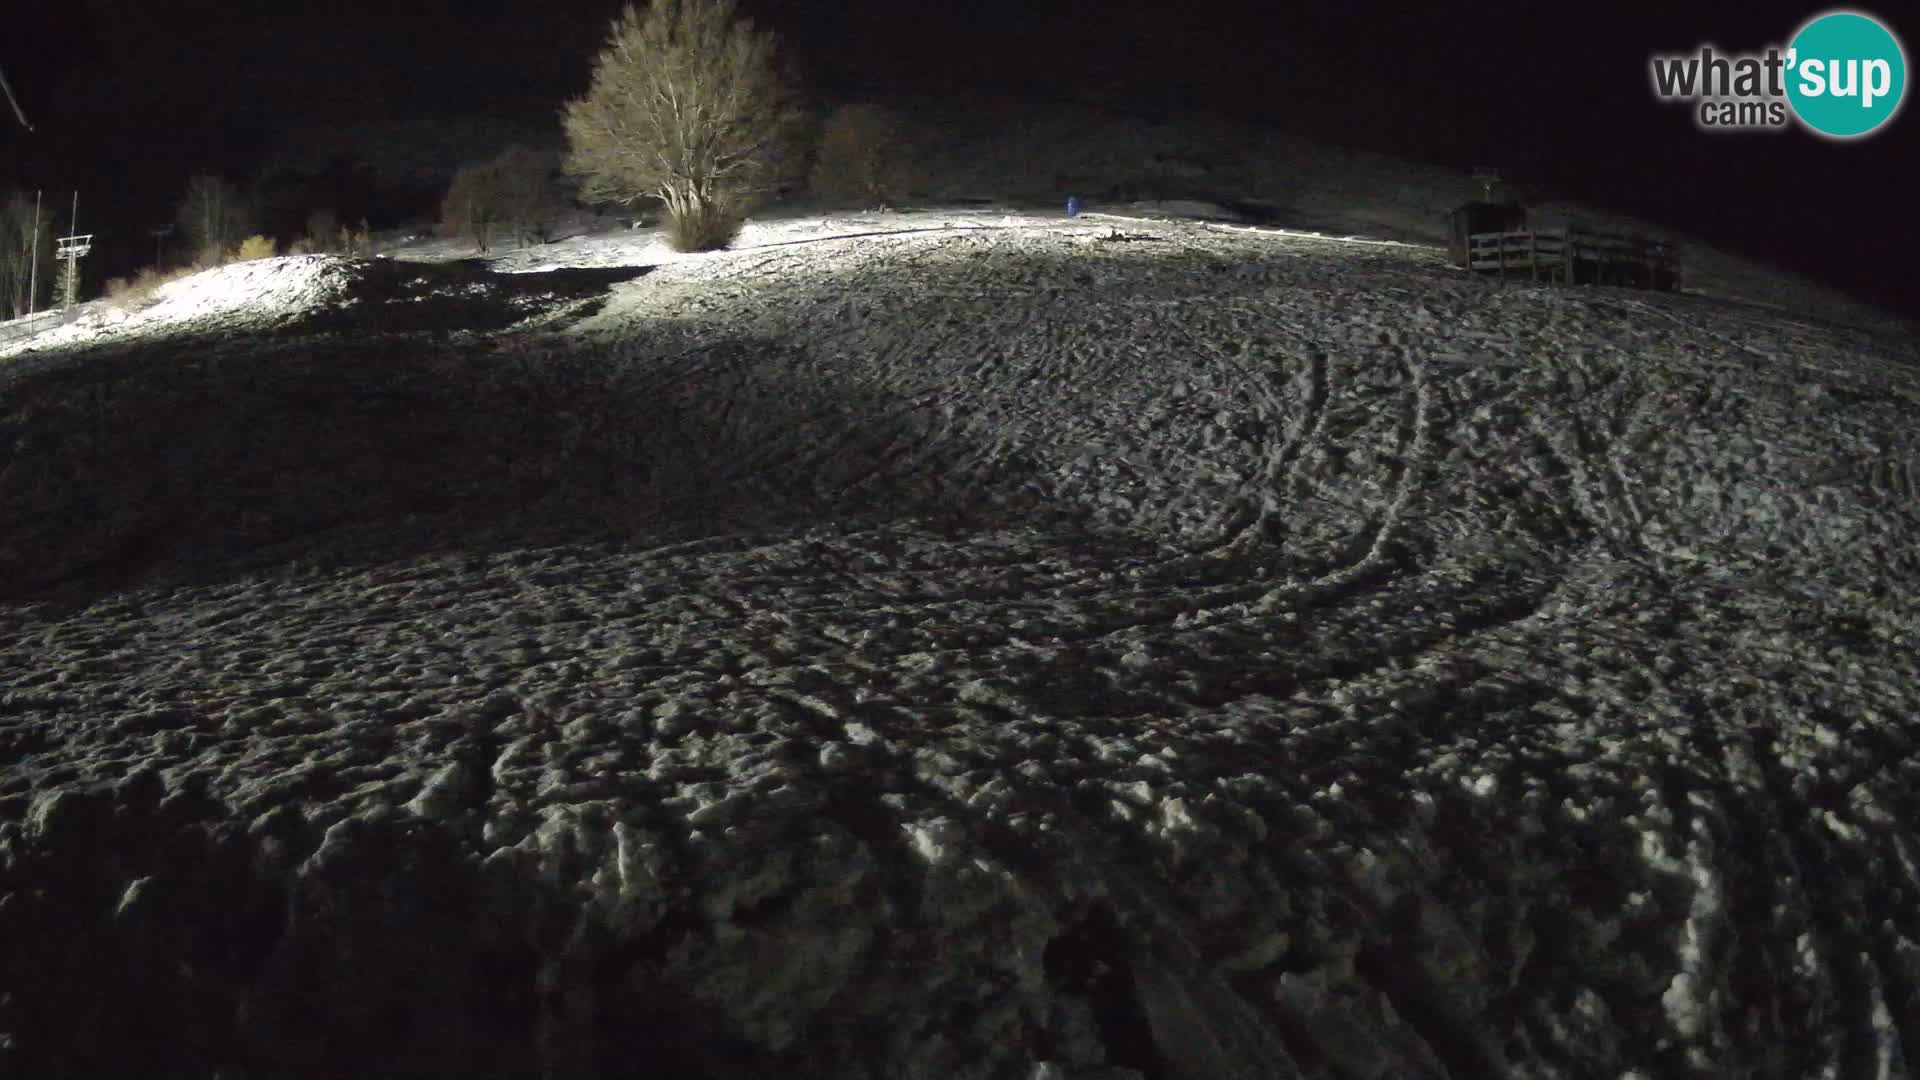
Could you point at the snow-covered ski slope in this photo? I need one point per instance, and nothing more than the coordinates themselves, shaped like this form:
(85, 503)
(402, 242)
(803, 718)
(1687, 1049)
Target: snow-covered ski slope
(957, 645)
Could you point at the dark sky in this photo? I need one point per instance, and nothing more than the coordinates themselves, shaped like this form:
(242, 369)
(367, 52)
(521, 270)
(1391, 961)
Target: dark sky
(129, 95)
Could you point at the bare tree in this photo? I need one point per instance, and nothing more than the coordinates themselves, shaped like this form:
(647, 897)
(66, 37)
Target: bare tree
(530, 202)
(18, 249)
(688, 104)
(322, 225)
(472, 206)
(863, 158)
(215, 217)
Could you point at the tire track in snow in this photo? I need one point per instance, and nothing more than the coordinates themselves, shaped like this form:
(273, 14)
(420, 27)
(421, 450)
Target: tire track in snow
(1595, 480)
(1413, 449)
(1828, 950)
(1209, 576)
(1378, 551)
(1275, 479)
(1627, 408)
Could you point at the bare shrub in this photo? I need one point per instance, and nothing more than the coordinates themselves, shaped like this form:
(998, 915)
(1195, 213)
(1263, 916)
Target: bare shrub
(131, 296)
(256, 247)
(690, 104)
(353, 239)
(863, 158)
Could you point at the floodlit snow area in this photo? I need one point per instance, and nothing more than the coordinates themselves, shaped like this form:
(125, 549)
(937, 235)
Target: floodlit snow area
(957, 645)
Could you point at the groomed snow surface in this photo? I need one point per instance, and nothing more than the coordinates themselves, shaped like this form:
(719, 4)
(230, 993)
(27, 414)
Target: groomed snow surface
(957, 645)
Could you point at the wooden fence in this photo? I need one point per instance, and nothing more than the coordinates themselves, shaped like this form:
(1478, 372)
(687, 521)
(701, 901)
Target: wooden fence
(1575, 257)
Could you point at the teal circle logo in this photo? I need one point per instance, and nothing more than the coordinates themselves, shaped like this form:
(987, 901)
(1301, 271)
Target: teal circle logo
(1846, 74)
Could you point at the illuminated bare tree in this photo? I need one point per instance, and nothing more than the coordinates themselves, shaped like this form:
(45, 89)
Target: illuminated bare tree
(19, 247)
(688, 104)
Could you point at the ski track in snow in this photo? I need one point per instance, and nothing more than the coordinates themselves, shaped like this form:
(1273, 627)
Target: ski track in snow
(1007, 647)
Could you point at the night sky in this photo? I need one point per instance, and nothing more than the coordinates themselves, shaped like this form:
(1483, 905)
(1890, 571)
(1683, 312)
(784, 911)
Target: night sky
(131, 95)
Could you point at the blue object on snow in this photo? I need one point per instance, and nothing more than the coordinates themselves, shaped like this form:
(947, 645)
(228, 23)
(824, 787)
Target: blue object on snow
(1073, 206)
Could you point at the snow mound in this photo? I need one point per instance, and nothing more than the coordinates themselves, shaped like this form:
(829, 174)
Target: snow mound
(307, 294)
(239, 298)
(260, 290)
